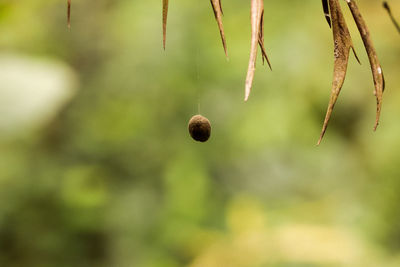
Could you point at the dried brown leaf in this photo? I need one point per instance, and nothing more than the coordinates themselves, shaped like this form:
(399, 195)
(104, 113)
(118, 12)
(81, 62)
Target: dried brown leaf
(217, 8)
(342, 45)
(165, 17)
(376, 68)
(257, 37)
(69, 14)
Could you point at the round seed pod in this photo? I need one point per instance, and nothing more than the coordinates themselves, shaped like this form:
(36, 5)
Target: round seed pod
(199, 128)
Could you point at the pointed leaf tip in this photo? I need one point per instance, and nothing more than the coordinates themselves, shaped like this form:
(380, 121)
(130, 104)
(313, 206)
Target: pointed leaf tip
(218, 13)
(387, 7)
(69, 14)
(257, 38)
(325, 6)
(164, 19)
(342, 45)
(377, 73)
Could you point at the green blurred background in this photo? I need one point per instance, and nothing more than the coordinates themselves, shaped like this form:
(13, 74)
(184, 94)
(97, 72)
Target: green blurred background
(97, 167)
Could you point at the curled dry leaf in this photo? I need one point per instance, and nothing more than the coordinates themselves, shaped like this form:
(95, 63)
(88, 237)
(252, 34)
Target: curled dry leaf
(387, 7)
(325, 5)
(69, 14)
(376, 68)
(342, 45)
(165, 17)
(217, 8)
(257, 38)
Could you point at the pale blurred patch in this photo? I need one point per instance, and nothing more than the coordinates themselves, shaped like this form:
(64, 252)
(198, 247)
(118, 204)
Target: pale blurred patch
(251, 241)
(318, 244)
(32, 91)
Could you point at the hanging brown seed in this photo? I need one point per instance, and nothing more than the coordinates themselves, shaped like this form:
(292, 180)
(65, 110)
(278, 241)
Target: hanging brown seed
(217, 8)
(69, 14)
(325, 6)
(165, 17)
(387, 7)
(257, 38)
(376, 68)
(200, 128)
(342, 45)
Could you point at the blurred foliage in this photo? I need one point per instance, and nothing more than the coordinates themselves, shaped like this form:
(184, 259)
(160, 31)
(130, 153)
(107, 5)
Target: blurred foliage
(101, 171)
